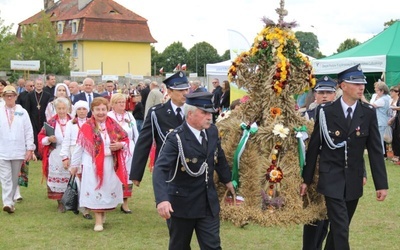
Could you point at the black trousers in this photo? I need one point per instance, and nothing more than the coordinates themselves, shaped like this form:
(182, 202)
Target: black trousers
(314, 234)
(181, 231)
(340, 213)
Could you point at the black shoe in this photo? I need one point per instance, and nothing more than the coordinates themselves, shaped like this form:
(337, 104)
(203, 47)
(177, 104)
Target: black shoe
(125, 211)
(87, 216)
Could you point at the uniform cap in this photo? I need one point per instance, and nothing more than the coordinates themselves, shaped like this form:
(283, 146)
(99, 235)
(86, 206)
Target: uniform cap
(177, 81)
(201, 100)
(325, 83)
(352, 75)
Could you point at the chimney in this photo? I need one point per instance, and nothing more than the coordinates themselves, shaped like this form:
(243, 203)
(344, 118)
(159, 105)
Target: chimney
(82, 3)
(48, 4)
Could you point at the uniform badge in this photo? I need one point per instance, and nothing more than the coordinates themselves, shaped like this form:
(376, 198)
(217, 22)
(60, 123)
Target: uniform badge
(337, 132)
(187, 160)
(183, 169)
(216, 156)
(194, 160)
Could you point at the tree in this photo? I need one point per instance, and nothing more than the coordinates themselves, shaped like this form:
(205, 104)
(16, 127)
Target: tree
(389, 23)
(173, 55)
(7, 46)
(205, 53)
(39, 43)
(347, 44)
(308, 43)
(156, 64)
(226, 55)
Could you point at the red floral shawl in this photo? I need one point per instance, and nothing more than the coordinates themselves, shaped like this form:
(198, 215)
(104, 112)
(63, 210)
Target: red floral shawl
(45, 150)
(90, 139)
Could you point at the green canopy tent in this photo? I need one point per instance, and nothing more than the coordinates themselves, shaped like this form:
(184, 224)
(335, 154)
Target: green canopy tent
(379, 58)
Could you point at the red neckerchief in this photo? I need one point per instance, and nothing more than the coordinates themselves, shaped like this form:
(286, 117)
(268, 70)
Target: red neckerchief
(90, 139)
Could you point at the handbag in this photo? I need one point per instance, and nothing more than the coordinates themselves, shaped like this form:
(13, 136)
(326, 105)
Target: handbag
(388, 134)
(70, 196)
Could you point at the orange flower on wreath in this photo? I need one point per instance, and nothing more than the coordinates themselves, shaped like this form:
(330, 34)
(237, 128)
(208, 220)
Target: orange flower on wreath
(275, 112)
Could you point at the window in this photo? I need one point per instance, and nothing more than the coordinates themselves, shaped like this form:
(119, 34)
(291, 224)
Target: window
(75, 50)
(60, 47)
(60, 27)
(74, 27)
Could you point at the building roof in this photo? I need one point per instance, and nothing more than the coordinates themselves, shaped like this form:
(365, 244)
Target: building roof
(100, 20)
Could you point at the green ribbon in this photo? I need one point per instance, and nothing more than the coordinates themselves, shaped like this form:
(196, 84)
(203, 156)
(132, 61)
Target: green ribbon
(301, 148)
(247, 131)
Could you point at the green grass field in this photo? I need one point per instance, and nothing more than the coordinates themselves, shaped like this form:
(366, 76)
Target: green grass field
(36, 224)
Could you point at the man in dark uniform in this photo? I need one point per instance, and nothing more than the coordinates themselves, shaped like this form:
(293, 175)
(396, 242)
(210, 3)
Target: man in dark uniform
(314, 233)
(342, 131)
(183, 177)
(324, 91)
(160, 120)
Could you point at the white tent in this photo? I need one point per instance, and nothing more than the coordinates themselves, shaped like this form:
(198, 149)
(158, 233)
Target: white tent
(217, 70)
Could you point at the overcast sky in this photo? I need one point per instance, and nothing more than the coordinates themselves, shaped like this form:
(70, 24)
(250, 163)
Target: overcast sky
(190, 21)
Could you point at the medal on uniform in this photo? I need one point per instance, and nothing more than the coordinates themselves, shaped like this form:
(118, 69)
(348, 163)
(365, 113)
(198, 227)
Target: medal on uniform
(216, 156)
(183, 169)
(194, 160)
(358, 131)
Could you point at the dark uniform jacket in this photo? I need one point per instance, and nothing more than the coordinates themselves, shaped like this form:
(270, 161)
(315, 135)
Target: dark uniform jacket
(336, 179)
(167, 122)
(189, 196)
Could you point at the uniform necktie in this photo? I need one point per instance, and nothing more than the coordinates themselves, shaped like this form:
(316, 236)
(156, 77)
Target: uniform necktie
(179, 116)
(203, 140)
(348, 118)
(90, 99)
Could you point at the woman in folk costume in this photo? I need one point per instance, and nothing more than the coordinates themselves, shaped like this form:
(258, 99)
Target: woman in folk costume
(61, 90)
(128, 123)
(50, 146)
(81, 109)
(101, 148)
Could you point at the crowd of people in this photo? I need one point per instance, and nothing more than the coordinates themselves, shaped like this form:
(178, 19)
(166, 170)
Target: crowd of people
(91, 131)
(106, 136)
